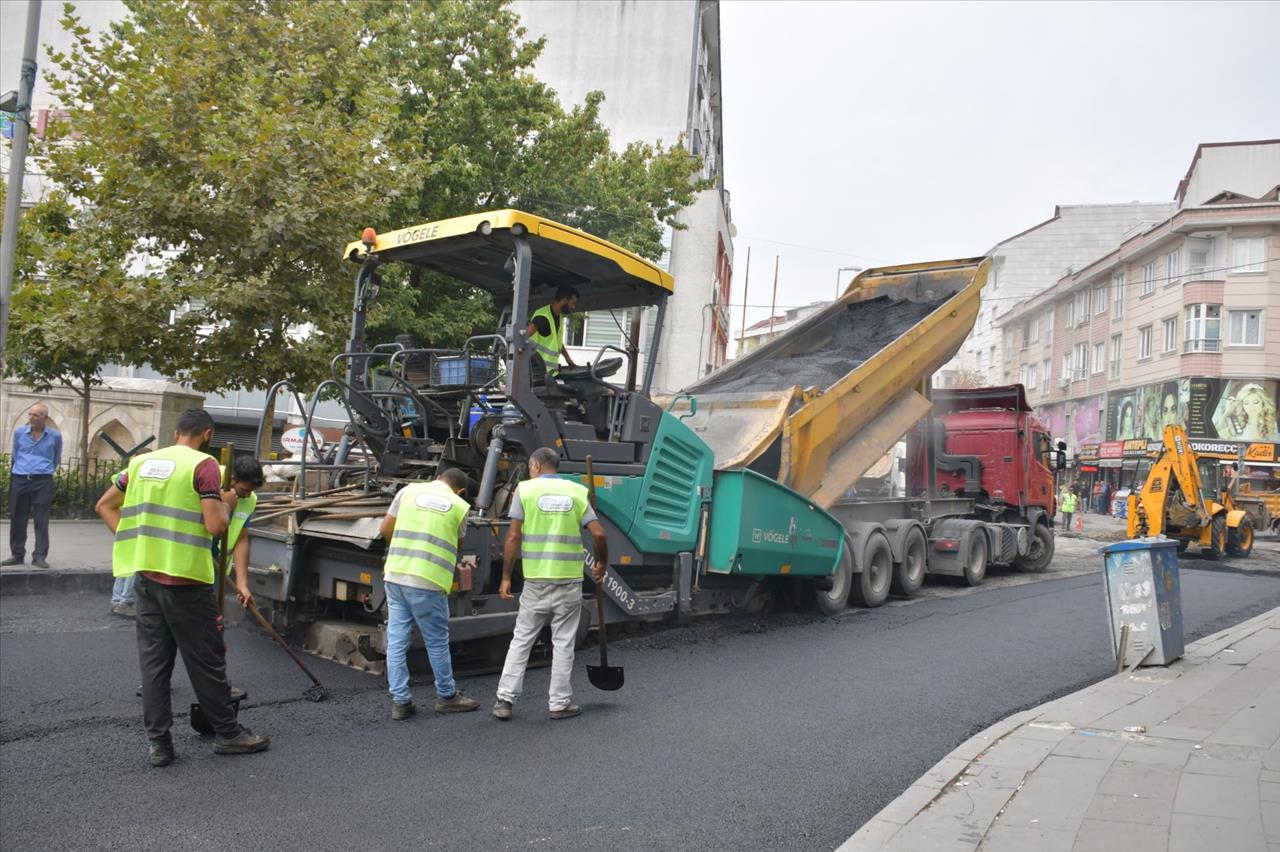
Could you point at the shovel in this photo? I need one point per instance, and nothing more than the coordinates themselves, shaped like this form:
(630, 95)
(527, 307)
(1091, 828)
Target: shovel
(200, 722)
(603, 676)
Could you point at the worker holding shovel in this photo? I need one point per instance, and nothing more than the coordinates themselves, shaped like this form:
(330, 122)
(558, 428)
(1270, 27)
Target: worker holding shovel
(165, 511)
(548, 515)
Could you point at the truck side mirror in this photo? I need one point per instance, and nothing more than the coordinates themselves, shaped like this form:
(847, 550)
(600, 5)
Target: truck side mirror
(1060, 459)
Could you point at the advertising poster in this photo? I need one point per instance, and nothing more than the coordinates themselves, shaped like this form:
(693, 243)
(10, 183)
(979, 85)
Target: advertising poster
(1227, 409)
(1086, 416)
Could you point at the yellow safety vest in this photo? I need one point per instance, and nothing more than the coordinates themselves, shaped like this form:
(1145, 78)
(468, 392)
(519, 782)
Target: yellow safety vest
(161, 522)
(424, 543)
(548, 346)
(551, 534)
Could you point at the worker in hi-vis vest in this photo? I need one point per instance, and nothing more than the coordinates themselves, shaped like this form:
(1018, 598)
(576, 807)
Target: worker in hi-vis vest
(546, 329)
(165, 511)
(423, 529)
(548, 515)
(246, 479)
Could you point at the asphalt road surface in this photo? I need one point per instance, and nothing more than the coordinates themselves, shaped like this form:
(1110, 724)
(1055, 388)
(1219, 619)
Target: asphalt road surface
(779, 732)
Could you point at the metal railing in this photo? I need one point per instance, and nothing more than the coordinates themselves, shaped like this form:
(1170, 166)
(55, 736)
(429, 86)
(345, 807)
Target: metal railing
(71, 499)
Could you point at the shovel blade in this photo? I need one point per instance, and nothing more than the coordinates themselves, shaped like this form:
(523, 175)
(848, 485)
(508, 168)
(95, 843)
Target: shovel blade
(607, 678)
(200, 722)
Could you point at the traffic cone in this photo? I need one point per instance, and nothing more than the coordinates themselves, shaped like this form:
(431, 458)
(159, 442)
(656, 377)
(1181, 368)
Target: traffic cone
(1079, 521)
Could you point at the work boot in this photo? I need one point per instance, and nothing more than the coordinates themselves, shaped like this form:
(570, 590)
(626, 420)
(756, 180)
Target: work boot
(502, 710)
(160, 753)
(456, 703)
(400, 712)
(128, 609)
(14, 560)
(40, 562)
(245, 742)
(567, 713)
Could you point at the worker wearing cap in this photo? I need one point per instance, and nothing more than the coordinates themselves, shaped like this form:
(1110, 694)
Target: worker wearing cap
(423, 529)
(546, 329)
(548, 515)
(165, 511)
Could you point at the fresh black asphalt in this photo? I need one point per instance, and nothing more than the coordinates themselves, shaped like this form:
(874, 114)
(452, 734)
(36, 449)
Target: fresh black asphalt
(780, 732)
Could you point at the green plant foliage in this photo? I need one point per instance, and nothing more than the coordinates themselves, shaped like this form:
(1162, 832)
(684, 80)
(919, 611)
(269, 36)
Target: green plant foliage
(240, 144)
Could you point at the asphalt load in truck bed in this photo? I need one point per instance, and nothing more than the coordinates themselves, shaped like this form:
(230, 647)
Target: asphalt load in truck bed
(862, 330)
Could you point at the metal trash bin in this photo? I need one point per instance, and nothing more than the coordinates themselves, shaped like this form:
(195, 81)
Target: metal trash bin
(1144, 593)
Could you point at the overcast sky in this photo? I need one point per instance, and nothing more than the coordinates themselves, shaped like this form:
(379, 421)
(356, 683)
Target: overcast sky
(867, 134)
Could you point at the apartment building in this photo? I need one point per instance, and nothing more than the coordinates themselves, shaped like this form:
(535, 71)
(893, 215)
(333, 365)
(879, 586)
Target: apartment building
(1177, 324)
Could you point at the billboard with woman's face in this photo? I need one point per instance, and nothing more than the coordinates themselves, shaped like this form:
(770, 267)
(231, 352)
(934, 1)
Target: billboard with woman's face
(1227, 409)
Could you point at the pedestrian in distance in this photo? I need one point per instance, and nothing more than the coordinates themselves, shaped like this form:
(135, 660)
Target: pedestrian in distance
(37, 452)
(548, 515)
(165, 512)
(1069, 502)
(423, 529)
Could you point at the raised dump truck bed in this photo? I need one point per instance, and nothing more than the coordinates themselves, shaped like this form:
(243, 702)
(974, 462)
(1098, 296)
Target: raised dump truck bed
(818, 406)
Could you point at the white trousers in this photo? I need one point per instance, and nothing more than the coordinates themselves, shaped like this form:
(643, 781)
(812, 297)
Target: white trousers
(540, 602)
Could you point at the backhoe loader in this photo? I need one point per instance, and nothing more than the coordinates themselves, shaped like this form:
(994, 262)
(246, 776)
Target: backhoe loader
(1184, 498)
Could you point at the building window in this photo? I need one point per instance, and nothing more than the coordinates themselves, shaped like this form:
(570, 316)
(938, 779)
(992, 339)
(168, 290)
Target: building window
(1099, 357)
(1045, 367)
(1100, 300)
(1080, 308)
(1148, 277)
(1117, 294)
(1144, 342)
(1048, 330)
(1065, 378)
(1173, 265)
(1248, 254)
(1199, 258)
(1115, 356)
(1204, 328)
(993, 357)
(1170, 335)
(1081, 361)
(1030, 376)
(1245, 328)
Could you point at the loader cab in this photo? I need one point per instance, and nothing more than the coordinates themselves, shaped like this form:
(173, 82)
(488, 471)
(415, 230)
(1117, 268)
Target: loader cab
(496, 387)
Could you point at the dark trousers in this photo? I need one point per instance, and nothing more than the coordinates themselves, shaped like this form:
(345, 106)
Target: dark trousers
(30, 498)
(184, 619)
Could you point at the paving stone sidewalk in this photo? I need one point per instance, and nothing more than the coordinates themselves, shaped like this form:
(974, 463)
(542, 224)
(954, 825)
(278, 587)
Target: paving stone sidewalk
(1177, 759)
(79, 560)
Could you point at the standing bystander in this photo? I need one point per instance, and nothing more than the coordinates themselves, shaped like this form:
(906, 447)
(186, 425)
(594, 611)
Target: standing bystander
(37, 452)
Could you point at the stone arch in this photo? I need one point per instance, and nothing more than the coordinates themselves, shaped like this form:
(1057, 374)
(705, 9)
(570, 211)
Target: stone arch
(100, 449)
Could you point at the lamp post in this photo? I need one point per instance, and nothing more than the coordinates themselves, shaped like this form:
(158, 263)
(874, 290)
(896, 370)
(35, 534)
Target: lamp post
(21, 107)
(844, 269)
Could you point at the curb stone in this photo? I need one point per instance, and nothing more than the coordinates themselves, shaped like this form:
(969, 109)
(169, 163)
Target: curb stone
(55, 581)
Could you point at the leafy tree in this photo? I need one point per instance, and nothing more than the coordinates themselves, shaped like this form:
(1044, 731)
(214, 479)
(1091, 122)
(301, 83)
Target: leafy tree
(75, 308)
(246, 141)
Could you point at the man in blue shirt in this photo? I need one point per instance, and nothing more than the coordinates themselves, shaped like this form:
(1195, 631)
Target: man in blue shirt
(37, 452)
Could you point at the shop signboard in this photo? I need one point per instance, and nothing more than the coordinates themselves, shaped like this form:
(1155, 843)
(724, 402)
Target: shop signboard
(1227, 409)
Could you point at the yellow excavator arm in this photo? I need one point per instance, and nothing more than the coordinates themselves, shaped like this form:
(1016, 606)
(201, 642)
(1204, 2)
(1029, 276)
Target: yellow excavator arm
(1174, 475)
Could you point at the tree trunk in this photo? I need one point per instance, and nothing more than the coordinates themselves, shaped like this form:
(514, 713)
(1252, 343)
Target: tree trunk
(84, 431)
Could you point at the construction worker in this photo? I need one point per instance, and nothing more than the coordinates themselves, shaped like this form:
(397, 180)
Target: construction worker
(165, 511)
(423, 529)
(1068, 502)
(246, 479)
(547, 517)
(546, 329)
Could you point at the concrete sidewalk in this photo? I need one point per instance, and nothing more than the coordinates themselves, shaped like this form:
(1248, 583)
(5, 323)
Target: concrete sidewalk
(1177, 759)
(79, 560)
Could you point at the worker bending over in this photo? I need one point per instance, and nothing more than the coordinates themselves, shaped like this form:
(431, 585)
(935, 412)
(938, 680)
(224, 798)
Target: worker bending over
(165, 511)
(423, 529)
(547, 517)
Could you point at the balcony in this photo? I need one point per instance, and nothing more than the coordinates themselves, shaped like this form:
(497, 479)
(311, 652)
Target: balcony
(1208, 344)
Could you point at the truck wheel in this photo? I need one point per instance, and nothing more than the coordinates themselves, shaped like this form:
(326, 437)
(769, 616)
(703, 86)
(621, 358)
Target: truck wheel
(908, 575)
(1217, 539)
(1240, 539)
(1041, 550)
(975, 562)
(872, 586)
(835, 600)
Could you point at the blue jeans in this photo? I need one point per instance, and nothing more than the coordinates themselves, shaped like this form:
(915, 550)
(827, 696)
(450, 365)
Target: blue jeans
(430, 609)
(122, 590)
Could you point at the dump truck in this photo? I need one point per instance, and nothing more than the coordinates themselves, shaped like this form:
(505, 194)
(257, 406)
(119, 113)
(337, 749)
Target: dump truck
(713, 501)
